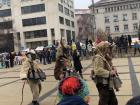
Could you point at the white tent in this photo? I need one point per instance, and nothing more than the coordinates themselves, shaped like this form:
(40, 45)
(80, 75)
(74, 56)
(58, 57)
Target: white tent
(26, 50)
(39, 48)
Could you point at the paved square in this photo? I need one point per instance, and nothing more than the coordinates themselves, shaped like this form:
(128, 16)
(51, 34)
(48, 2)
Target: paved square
(10, 85)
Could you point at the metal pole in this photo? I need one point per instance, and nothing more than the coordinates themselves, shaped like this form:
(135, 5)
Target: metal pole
(139, 31)
(93, 5)
(93, 21)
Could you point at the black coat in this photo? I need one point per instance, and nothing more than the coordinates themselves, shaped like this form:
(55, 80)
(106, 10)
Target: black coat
(77, 62)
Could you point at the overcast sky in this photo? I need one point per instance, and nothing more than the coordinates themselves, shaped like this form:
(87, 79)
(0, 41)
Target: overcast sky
(82, 4)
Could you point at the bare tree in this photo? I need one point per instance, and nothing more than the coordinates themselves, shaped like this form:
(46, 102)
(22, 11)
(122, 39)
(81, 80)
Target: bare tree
(85, 27)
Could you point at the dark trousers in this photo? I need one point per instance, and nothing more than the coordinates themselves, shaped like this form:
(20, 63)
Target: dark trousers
(44, 60)
(80, 72)
(106, 96)
(12, 63)
(40, 58)
(135, 50)
(7, 64)
(48, 59)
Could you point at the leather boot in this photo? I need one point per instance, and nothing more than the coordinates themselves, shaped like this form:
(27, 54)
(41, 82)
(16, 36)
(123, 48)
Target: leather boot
(35, 103)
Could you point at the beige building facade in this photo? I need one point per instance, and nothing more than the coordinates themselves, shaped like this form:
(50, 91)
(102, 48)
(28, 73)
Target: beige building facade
(118, 17)
(39, 22)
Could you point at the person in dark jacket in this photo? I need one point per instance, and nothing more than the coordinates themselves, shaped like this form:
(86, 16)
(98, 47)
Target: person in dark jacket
(40, 56)
(78, 47)
(136, 47)
(48, 56)
(129, 40)
(12, 57)
(134, 101)
(77, 63)
(53, 53)
(7, 59)
(44, 56)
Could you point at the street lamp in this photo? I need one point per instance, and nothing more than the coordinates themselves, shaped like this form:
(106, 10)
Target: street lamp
(139, 31)
(93, 20)
(92, 5)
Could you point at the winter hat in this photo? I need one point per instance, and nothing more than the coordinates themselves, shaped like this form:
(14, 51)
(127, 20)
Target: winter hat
(70, 86)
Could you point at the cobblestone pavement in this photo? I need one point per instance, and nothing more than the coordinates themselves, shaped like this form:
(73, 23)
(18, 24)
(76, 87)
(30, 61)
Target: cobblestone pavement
(11, 85)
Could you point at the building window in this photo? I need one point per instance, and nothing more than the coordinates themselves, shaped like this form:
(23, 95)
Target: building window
(72, 14)
(5, 2)
(61, 1)
(60, 7)
(107, 29)
(124, 7)
(116, 28)
(116, 18)
(53, 42)
(25, 0)
(34, 21)
(61, 20)
(62, 32)
(127, 7)
(111, 9)
(36, 44)
(69, 38)
(6, 25)
(133, 6)
(52, 32)
(97, 11)
(64, 2)
(114, 8)
(33, 9)
(18, 36)
(72, 24)
(67, 22)
(35, 34)
(126, 27)
(108, 9)
(6, 12)
(72, 4)
(107, 19)
(67, 12)
(73, 36)
(105, 9)
(118, 8)
(80, 29)
(130, 5)
(135, 26)
(134, 16)
(125, 18)
(136, 5)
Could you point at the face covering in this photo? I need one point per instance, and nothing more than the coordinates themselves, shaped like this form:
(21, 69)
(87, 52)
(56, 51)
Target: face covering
(31, 56)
